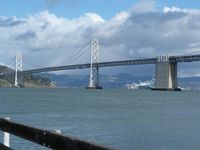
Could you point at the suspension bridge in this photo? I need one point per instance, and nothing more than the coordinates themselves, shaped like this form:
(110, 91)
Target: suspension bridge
(166, 67)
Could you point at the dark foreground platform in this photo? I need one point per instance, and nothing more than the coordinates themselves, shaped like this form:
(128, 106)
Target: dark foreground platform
(3, 147)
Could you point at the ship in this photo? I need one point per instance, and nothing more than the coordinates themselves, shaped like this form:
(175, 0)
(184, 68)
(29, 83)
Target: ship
(148, 84)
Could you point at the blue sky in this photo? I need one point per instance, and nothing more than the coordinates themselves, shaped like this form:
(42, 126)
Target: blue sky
(69, 9)
(76, 8)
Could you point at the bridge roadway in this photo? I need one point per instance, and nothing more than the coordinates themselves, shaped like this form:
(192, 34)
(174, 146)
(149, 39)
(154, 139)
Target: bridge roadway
(100, 65)
(189, 58)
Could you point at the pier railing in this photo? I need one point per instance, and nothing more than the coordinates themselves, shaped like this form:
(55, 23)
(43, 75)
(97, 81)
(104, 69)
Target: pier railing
(46, 138)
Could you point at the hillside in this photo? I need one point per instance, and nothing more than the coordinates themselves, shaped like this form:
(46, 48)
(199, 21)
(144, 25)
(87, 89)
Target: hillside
(74, 81)
(113, 81)
(28, 80)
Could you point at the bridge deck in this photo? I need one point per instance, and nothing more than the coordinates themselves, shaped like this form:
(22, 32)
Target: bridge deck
(189, 58)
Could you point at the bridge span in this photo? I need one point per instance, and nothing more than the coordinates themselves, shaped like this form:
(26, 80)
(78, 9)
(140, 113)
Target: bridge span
(166, 69)
(172, 59)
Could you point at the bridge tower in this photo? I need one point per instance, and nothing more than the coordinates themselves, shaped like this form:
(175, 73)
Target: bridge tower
(166, 74)
(94, 69)
(18, 68)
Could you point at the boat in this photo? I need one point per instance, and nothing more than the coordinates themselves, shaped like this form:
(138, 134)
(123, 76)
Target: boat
(148, 84)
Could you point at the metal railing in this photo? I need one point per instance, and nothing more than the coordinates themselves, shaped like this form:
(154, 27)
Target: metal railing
(47, 138)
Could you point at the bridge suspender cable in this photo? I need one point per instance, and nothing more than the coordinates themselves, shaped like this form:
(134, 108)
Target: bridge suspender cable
(11, 63)
(191, 53)
(76, 55)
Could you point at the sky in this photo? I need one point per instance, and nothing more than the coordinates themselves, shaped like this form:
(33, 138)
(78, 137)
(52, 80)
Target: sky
(75, 8)
(49, 32)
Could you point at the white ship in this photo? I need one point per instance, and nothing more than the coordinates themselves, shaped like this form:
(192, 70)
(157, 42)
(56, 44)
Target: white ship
(148, 84)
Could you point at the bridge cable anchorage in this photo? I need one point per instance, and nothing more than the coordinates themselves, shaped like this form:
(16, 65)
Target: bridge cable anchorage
(94, 69)
(18, 68)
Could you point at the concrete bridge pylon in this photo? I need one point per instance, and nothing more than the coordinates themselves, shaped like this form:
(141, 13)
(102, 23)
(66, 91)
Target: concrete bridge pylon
(166, 74)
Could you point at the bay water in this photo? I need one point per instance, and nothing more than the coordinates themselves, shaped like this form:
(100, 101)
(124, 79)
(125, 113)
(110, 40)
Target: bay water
(117, 118)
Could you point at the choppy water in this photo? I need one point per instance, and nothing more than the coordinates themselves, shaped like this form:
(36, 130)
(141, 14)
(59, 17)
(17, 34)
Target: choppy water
(118, 118)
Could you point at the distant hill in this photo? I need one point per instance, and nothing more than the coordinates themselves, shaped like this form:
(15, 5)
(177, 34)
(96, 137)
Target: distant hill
(29, 80)
(74, 81)
(112, 81)
(190, 82)
(107, 81)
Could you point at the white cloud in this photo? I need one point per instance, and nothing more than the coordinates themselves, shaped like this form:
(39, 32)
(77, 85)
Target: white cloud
(46, 39)
(95, 17)
(176, 9)
(173, 9)
(144, 6)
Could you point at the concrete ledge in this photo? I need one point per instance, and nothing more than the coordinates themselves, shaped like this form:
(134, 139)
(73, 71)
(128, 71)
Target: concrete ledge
(166, 89)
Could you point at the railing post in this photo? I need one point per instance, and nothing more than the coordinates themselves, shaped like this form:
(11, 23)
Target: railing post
(58, 131)
(6, 136)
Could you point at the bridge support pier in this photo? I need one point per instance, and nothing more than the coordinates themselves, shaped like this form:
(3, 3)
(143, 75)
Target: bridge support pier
(94, 69)
(166, 74)
(18, 70)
